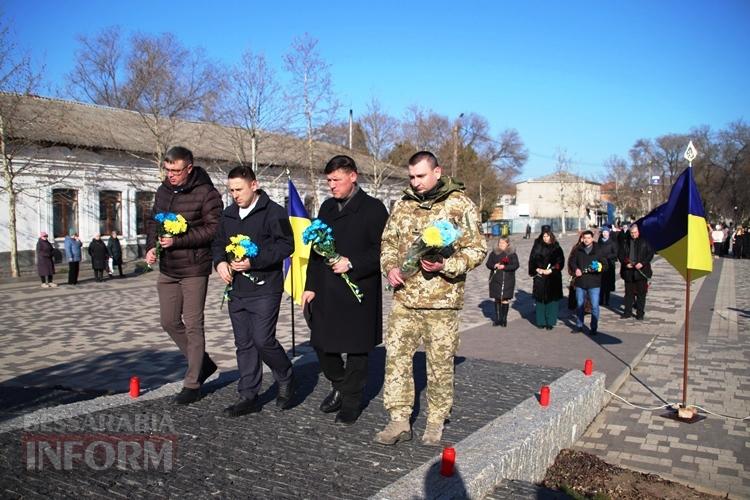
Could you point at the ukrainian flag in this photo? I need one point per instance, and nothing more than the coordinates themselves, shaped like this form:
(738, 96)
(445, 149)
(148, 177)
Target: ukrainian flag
(295, 267)
(677, 229)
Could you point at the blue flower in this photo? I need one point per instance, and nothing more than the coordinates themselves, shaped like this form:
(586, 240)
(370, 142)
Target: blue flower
(159, 217)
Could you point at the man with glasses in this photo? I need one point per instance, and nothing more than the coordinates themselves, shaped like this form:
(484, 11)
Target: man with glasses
(185, 262)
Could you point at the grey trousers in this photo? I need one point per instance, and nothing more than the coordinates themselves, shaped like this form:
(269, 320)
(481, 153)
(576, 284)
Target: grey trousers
(181, 303)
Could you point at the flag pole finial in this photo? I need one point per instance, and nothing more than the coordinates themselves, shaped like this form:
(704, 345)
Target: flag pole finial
(690, 154)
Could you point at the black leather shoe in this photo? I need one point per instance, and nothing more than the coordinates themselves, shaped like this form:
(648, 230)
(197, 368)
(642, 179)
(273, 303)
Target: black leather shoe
(286, 393)
(626, 316)
(332, 402)
(242, 407)
(208, 367)
(348, 416)
(548, 327)
(187, 396)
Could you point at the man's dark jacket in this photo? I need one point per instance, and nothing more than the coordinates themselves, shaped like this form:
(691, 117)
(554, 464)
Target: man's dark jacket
(200, 203)
(268, 227)
(644, 254)
(582, 260)
(339, 322)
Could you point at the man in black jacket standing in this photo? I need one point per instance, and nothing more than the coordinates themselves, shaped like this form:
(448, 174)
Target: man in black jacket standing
(635, 269)
(257, 283)
(339, 323)
(185, 262)
(587, 262)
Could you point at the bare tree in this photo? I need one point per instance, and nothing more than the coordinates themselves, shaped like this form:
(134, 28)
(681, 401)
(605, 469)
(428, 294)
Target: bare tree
(155, 76)
(562, 174)
(18, 80)
(254, 104)
(425, 129)
(310, 96)
(381, 132)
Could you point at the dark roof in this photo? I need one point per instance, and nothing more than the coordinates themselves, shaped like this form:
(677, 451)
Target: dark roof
(71, 123)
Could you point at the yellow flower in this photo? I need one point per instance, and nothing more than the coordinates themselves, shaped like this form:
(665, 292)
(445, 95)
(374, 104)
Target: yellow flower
(239, 252)
(431, 237)
(178, 226)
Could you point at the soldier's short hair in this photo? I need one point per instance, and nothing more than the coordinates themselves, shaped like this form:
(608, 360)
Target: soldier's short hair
(421, 156)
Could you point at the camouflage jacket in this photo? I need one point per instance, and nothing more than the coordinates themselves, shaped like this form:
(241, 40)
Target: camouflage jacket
(410, 216)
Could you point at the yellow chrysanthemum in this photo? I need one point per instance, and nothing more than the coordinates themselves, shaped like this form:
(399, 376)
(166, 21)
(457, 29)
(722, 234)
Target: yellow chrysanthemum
(178, 226)
(431, 237)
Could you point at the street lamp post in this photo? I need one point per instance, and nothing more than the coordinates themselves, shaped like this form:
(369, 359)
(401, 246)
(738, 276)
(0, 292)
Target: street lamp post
(454, 165)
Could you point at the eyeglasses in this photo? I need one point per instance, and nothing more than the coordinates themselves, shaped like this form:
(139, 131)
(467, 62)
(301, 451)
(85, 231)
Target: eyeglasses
(175, 171)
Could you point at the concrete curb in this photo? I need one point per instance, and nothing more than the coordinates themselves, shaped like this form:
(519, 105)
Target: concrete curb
(520, 444)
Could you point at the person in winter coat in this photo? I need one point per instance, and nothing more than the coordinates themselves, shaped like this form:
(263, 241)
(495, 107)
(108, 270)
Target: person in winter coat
(339, 323)
(608, 246)
(426, 305)
(635, 269)
(257, 284)
(185, 263)
(503, 263)
(738, 241)
(115, 253)
(73, 246)
(587, 263)
(717, 236)
(99, 257)
(546, 262)
(45, 261)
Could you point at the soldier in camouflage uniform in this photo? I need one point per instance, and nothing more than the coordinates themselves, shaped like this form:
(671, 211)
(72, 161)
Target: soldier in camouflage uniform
(426, 305)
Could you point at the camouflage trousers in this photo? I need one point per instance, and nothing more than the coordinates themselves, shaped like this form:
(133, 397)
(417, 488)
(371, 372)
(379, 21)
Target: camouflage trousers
(407, 328)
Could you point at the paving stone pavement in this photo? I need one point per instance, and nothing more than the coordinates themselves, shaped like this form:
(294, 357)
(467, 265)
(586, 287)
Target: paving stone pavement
(74, 343)
(299, 453)
(714, 453)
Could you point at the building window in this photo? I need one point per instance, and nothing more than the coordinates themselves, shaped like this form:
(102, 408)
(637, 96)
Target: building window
(144, 202)
(110, 205)
(64, 212)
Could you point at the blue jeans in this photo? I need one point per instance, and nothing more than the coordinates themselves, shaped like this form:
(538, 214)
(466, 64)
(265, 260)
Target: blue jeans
(593, 294)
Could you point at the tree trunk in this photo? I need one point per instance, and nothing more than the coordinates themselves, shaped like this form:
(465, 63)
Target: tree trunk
(14, 271)
(311, 167)
(8, 176)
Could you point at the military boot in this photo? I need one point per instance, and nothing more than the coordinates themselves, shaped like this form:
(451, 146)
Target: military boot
(395, 431)
(433, 433)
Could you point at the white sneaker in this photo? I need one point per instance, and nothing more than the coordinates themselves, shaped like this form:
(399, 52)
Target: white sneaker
(45, 285)
(53, 285)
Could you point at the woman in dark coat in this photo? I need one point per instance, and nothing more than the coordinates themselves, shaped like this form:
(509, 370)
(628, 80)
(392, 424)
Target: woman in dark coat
(738, 241)
(608, 248)
(115, 252)
(503, 262)
(45, 262)
(99, 256)
(546, 262)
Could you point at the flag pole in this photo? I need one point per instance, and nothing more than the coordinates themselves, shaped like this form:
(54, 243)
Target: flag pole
(687, 336)
(291, 268)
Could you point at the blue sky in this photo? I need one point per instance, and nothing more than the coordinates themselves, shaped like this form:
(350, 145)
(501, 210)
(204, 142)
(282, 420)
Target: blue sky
(587, 77)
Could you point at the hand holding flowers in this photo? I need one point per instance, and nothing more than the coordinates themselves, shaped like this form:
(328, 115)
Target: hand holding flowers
(435, 240)
(170, 225)
(239, 252)
(320, 235)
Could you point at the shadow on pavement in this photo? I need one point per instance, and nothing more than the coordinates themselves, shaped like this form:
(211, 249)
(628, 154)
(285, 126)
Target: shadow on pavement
(108, 373)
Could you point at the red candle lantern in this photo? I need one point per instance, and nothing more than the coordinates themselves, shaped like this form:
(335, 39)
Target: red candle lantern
(448, 462)
(135, 387)
(588, 367)
(544, 396)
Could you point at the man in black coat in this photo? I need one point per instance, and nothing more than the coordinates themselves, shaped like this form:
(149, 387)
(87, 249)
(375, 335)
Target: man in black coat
(257, 284)
(635, 269)
(339, 323)
(588, 278)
